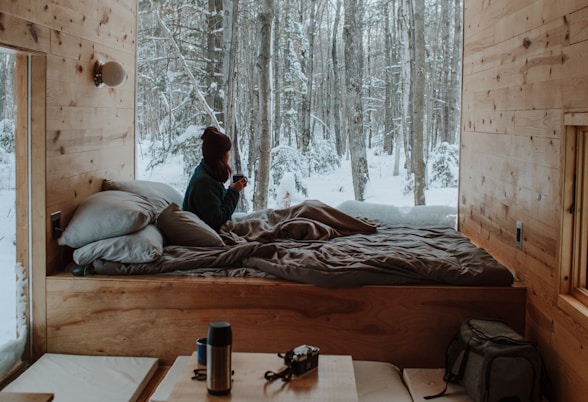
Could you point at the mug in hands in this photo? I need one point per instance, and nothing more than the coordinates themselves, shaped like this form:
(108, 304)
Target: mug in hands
(237, 177)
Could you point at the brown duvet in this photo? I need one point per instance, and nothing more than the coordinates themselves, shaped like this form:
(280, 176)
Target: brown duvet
(318, 244)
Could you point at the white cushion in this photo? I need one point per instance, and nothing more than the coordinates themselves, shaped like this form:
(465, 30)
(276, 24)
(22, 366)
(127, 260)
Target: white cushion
(107, 214)
(157, 193)
(146, 245)
(379, 381)
(425, 382)
(75, 378)
(166, 385)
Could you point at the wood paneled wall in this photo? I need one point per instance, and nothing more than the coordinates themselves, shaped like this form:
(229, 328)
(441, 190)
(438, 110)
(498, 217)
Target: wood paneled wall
(525, 66)
(89, 130)
(86, 133)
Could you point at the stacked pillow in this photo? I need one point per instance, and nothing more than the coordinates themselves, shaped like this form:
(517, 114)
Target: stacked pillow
(128, 221)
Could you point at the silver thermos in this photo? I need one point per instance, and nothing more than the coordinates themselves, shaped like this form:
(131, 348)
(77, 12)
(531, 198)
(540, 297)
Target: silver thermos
(218, 358)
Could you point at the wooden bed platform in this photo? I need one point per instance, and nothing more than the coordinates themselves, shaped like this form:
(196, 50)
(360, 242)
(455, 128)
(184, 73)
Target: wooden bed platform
(161, 316)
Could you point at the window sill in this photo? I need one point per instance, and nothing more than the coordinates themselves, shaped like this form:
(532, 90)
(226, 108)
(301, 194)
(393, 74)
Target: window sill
(576, 309)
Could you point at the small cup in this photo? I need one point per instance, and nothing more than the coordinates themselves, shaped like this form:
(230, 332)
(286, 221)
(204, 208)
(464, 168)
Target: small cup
(201, 350)
(237, 177)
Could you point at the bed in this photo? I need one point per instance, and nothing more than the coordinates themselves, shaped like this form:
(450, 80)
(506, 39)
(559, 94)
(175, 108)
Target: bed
(310, 243)
(161, 300)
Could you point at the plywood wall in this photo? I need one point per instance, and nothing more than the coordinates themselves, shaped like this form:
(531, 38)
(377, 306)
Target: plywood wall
(525, 66)
(85, 133)
(89, 130)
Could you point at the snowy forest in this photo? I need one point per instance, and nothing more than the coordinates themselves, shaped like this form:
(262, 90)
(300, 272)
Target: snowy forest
(299, 85)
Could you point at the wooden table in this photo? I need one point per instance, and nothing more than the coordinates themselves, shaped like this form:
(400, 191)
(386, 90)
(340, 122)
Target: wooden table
(334, 380)
(25, 397)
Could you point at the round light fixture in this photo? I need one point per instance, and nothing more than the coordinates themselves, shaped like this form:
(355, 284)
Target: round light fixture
(111, 74)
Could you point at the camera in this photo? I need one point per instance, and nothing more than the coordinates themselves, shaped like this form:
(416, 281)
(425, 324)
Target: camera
(302, 359)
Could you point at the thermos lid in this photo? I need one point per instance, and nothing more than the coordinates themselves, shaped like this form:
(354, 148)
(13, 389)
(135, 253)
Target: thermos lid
(219, 333)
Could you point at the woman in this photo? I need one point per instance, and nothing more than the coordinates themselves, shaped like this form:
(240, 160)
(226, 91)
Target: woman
(206, 195)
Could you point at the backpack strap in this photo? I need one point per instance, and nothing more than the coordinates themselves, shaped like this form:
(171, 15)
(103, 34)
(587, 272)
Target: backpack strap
(449, 376)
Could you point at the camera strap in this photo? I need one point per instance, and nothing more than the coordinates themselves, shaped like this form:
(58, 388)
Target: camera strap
(285, 374)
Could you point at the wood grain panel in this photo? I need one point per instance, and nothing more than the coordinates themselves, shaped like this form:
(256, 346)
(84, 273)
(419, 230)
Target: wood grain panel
(66, 117)
(532, 68)
(482, 14)
(552, 36)
(22, 34)
(579, 26)
(63, 142)
(117, 24)
(155, 316)
(71, 83)
(527, 16)
(488, 121)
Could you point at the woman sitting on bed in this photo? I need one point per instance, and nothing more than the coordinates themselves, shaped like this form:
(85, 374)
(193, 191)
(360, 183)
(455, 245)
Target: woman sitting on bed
(206, 195)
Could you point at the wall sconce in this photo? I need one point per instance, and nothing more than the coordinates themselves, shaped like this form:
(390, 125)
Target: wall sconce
(111, 74)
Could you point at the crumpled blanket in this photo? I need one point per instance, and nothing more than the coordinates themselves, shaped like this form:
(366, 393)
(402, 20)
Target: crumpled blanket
(317, 244)
(309, 220)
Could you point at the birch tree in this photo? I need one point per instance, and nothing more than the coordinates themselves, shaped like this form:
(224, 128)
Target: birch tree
(352, 35)
(336, 88)
(308, 67)
(265, 17)
(418, 80)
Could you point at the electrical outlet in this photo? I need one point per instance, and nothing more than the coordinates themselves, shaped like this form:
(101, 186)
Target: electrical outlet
(519, 234)
(55, 225)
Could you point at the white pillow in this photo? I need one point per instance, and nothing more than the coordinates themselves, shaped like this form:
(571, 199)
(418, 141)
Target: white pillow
(107, 214)
(146, 245)
(184, 228)
(157, 193)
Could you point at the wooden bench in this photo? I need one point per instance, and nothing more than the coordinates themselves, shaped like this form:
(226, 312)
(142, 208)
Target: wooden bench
(162, 315)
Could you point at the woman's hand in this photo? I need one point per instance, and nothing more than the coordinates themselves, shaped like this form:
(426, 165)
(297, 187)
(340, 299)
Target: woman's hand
(240, 184)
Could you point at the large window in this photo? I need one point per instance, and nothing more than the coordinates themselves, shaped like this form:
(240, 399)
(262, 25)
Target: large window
(336, 100)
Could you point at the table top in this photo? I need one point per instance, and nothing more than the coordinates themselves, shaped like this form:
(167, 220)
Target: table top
(333, 380)
(25, 397)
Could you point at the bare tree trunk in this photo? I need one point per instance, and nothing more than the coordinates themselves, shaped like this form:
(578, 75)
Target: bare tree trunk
(389, 107)
(309, 68)
(418, 162)
(230, 44)
(214, 64)
(337, 104)
(264, 18)
(454, 93)
(408, 15)
(277, 114)
(352, 34)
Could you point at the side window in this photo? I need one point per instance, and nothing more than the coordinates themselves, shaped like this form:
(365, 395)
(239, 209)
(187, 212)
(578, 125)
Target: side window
(574, 234)
(14, 190)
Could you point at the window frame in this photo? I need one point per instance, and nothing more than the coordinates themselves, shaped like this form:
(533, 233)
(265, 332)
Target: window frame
(30, 198)
(572, 291)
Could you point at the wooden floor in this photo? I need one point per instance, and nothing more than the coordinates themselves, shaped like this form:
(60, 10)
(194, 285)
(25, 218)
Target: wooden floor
(162, 316)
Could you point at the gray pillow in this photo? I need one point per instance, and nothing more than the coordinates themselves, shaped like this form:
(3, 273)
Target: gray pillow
(157, 193)
(107, 214)
(146, 245)
(183, 228)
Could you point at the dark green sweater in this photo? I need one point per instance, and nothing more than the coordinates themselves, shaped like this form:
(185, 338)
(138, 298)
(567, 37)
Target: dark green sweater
(208, 198)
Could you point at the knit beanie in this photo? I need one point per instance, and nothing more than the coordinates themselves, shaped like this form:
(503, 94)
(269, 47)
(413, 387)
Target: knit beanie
(214, 144)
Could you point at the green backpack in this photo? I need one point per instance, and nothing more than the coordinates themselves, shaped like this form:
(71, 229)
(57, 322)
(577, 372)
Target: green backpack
(493, 363)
